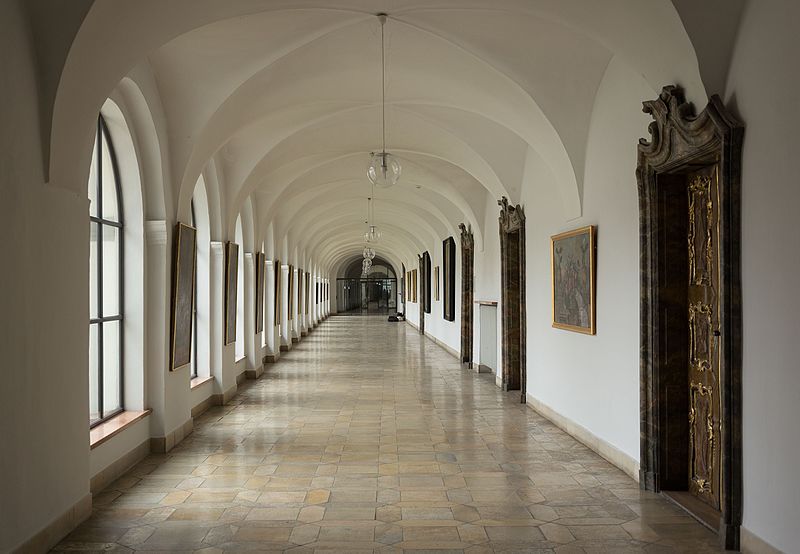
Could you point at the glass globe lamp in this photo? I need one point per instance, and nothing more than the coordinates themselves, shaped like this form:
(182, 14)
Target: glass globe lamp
(384, 170)
(372, 235)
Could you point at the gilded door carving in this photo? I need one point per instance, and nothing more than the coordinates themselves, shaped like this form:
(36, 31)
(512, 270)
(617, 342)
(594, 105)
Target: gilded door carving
(703, 319)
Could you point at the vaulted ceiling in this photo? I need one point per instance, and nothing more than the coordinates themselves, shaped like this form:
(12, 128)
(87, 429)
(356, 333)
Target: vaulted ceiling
(284, 97)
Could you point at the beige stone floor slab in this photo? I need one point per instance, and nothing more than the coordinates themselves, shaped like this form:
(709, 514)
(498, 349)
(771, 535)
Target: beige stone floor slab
(366, 437)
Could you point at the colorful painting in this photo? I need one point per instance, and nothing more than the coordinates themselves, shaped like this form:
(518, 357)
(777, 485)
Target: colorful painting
(183, 271)
(573, 265)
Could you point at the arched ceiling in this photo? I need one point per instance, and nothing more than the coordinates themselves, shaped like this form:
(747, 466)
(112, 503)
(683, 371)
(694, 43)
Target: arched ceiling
(282, 98)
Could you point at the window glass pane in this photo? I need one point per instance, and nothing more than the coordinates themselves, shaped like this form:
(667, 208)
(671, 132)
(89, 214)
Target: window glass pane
(94, 410)
(93, 230)
(93, 183)
(111, 277)
(111, 367)
(109, 186)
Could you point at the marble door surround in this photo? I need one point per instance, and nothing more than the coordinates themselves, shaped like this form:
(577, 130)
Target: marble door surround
(512, 287)
(467, 292)
(681, 143)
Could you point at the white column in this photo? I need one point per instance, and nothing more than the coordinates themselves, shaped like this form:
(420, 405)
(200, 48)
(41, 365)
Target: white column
(216, 315)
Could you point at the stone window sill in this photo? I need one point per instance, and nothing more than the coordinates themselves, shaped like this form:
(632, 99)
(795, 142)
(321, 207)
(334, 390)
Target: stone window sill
(199, 381)
(100, 434)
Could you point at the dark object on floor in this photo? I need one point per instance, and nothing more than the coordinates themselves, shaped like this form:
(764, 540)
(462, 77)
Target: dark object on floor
(397, 317)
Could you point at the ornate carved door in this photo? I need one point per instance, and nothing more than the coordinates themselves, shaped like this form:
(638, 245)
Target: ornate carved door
(704, 368)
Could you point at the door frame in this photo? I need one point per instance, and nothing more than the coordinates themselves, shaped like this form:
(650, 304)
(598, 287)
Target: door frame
(512, 220)
(679, 142)
(467, 292)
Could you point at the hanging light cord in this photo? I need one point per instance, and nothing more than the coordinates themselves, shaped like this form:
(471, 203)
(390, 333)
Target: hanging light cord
(382, 18)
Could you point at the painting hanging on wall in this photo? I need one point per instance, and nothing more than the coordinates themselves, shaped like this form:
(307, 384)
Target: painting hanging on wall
(261, 260)
(449, 257)
(573, 258)
(184, 263)
(436, 283)
(231, 284)
(291, 292)
(414, 285)
(277, 286)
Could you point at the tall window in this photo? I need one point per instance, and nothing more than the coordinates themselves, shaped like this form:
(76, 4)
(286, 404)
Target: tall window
(193, 366)
(105, 281)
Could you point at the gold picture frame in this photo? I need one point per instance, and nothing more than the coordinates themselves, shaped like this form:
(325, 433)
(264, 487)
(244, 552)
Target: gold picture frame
(573, 263)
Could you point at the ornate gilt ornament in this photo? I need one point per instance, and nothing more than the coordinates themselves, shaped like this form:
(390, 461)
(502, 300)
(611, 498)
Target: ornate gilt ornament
(701, 333)
(701, 209)
(467, 238)
(702, 460)
(511, 217)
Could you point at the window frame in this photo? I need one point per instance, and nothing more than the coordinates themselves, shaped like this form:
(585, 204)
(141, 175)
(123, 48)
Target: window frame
(104, 135)
(194, 365)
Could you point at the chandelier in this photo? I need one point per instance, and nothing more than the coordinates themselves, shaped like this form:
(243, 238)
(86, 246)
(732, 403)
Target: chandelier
(369, 253)
(373, 234)
(384, 169)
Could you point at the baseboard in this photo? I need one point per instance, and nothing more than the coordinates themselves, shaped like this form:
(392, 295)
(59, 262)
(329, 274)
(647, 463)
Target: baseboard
(241, 377)
(225, 397)
(254, 373)
(753, 544)
(59, 528)
(295, 340)
(271, 358)
(162, 445)
(119, 467)
(198, 410)
(285, 348)
(433, 339)
(608, 451)
(480, 368)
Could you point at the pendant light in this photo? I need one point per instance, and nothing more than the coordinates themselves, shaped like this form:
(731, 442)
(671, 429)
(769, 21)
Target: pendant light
(384, 169)
(373, 234)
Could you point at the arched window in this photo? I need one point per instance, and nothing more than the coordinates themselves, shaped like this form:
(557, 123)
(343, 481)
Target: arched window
(105, 281)
(239, 349)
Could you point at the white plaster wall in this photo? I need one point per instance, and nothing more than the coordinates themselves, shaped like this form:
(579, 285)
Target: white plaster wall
(763, 86)
(44, 459)
(592, 380)
(487, 277)
(118, 446)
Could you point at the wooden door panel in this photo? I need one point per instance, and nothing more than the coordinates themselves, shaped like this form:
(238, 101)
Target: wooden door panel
(703, 324)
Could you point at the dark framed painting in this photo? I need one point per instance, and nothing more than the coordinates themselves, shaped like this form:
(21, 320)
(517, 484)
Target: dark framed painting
(436, 283)
(184, 265)
(308, 293)
(261, 262)
(231, 285)
(573, 259)
(291, 291)
(426, 282)
(449, 261)
(414, 288)
(277, 285)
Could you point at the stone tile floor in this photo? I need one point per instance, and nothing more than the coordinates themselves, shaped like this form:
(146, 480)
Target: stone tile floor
(367, 438)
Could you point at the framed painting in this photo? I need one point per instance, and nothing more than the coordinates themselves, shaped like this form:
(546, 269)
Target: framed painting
(573, 259)
(184, 265)
(291, 292)
(414, 288)
(277, 286)
(231, 285)
(436, 283)
(261, 261)
(449, 261)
